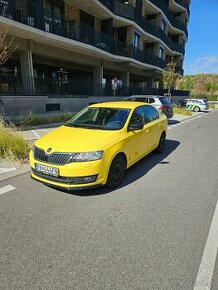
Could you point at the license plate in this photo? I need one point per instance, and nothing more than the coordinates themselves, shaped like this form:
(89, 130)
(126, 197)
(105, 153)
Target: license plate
(47, 169)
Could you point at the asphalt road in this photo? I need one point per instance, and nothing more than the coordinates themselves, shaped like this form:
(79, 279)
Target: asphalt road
(151, 233)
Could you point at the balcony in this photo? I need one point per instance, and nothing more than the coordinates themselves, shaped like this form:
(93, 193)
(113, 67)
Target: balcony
(175, 23)
(59, 25)
(129, 12)
(184, 4)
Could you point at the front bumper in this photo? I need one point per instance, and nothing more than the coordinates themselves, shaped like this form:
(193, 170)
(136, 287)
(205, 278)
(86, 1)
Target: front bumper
(75, 175)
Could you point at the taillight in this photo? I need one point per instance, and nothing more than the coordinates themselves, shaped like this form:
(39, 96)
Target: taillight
(163, 108)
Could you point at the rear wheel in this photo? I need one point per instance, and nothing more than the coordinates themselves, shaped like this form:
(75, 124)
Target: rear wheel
(116, 172)
(196, 109)
(161, 144)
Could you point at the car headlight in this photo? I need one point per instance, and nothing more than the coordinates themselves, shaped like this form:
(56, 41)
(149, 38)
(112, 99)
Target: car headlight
(86, 156)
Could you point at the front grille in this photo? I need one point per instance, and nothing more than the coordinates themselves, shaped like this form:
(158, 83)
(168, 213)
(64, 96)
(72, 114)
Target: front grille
(55, 158)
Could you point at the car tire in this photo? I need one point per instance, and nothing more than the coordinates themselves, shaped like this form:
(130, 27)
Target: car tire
(196, 109)
(116, 172)
(161, 144)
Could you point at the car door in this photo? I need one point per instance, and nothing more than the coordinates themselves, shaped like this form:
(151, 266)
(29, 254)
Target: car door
(138, 140)
(152, 126)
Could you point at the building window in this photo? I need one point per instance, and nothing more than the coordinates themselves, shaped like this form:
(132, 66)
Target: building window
(136, 40)
(163, 25)
(161, 52)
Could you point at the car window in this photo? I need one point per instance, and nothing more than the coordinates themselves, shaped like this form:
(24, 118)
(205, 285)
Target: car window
(138, 116)
(100, 118)
(151, 100)
(150, 113)
(164, 101)
(140, 99)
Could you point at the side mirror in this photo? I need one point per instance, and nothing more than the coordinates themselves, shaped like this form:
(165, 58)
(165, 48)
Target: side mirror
(133, 127)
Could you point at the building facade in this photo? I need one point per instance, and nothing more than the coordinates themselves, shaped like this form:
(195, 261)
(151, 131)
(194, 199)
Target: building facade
(92, 47)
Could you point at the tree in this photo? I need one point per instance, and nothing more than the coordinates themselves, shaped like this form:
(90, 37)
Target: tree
(7, 45)
(169, 76)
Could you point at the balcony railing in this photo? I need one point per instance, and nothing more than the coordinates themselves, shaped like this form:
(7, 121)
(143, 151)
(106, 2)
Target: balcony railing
(176, 23)
(62, 26)
(129, 12)
(133, 52)
(184, 4)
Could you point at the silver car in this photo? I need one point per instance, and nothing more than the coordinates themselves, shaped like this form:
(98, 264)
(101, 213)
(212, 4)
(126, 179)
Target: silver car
(159, 102)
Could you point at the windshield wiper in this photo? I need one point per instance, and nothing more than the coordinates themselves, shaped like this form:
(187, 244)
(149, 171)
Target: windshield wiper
(68, 125)
(85, 126)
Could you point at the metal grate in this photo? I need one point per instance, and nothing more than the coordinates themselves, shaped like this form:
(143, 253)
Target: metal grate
(55, 158)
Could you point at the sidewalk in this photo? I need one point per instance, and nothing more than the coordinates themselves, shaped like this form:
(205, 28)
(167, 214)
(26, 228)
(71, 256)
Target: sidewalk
(9, 169)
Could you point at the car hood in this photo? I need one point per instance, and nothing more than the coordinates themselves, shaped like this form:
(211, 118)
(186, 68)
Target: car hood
(69, 139)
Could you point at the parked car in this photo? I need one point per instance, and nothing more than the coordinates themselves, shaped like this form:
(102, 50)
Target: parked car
(97, 145)
(204, 98)
(159, 102)
(195, 105)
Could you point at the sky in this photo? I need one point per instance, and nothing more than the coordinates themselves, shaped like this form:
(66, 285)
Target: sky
(201, 54)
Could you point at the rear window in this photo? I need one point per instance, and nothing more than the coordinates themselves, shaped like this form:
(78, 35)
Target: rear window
(140, 99)
(164, 101)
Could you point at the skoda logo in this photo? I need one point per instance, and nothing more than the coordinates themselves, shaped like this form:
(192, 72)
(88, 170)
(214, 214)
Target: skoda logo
(49, 150)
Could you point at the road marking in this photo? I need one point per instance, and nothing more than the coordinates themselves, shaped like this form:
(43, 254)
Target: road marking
(3, 170)
(35, 134)
(6, 188)
(205, 272)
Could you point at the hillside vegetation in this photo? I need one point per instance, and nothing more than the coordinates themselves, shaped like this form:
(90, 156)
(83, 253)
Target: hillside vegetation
(200, 85)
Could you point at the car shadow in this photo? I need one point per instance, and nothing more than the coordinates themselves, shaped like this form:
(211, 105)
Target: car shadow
(172, 122)
(135, 172)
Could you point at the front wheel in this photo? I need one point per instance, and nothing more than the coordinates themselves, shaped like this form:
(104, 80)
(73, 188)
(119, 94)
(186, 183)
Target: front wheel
(161, 144)
(196, 109)
(116, 172)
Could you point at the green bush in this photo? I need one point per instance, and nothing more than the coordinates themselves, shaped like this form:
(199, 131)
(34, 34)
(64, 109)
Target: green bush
(12, 144)
(210, 97)
(34, 119)
(182, 111)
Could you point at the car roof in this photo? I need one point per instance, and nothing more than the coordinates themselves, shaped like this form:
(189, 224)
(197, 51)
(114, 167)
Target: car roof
(194, 99)
(119, 104)
(143, 96)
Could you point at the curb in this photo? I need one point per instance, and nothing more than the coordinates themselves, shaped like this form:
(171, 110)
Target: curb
(19, 171)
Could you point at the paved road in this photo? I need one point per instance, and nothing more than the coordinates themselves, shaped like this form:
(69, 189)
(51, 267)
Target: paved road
(152, 233)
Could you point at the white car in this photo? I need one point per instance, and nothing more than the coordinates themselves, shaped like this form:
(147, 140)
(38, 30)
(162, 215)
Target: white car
(195, 105)
(159, 102)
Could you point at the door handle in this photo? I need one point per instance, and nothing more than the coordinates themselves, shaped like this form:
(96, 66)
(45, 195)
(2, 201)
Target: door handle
(147, 131)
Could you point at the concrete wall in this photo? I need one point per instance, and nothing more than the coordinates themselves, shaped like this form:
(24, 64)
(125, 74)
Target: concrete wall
(14, 106)
(20, 105)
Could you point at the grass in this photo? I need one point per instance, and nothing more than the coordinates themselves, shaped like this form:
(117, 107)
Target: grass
(12, 145)
(212, 106)
(182, 111)
(34, 119)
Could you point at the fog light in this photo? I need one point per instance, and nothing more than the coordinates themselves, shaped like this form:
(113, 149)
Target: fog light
(85, 179)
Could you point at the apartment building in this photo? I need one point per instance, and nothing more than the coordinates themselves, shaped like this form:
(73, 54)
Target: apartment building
(92, 47)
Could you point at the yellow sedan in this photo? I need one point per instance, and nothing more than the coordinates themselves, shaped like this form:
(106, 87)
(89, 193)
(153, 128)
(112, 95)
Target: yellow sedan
(97, 145)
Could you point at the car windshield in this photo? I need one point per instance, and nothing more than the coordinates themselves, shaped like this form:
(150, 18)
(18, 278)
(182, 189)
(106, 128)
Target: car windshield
(100, 118)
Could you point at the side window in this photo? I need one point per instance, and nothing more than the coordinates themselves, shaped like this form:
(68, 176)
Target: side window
(150, 113)
(151, 100)
(140, 99)
(137, 116)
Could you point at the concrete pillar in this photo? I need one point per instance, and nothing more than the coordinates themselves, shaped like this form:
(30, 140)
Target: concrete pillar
(97, 79)
(26, 62)
(125, 80)
(150, 82)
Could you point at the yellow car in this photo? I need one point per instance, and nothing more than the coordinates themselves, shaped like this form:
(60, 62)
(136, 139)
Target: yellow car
(97, 145)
